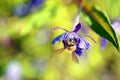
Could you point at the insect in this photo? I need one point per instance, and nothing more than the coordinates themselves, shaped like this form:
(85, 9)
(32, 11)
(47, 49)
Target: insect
(69, 44)
(72, 41)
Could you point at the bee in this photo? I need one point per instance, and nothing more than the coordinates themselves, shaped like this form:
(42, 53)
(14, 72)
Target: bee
(70, 45)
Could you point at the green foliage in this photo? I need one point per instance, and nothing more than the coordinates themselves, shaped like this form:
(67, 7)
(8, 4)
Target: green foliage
(100, 23)
(27, 40)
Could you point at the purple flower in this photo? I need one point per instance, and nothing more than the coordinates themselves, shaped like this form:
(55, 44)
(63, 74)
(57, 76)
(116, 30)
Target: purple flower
(116, 26)
(103, 43)
(71, 39)
(24, 9)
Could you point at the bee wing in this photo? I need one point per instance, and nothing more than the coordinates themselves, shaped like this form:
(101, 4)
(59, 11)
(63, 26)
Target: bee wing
(58, 51)
(74, 57)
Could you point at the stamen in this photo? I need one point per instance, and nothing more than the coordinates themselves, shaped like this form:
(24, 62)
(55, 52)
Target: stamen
(91, 38)
(58, 28)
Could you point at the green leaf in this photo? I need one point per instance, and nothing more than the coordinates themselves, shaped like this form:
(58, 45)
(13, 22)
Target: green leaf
(100, 23)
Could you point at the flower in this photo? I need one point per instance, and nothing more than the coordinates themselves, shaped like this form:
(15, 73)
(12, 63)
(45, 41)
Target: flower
(116, 26)
(13, 71)
(71, 39)
(103, 43)
(23, 9)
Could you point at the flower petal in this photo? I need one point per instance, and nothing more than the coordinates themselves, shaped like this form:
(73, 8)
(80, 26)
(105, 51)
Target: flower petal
(77, 27)
(103, 43)
(71, 35)
(83, 44)
(78, 51)
(58, 38)
(116, 26)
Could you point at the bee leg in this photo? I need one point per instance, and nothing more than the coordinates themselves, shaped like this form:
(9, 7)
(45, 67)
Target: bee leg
(74, 57)
(58, 51)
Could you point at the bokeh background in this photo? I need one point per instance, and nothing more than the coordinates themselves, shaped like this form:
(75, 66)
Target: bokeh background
(26, 33)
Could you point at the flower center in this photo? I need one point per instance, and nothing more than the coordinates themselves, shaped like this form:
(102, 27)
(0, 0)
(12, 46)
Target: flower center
(71, 42)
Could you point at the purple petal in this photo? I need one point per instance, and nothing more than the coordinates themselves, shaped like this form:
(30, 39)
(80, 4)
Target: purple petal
(83, 44)
(116, 26)
(103, 43)
(58, 38)
(35, 2)
(64, 36)
(25, 8)
(78, 52)
(77, 27)
(71, 35)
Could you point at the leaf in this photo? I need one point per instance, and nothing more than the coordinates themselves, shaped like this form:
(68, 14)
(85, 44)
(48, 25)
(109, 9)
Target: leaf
(100, 23)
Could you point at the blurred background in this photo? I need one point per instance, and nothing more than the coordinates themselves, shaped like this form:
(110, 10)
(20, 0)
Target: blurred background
(26, 52)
